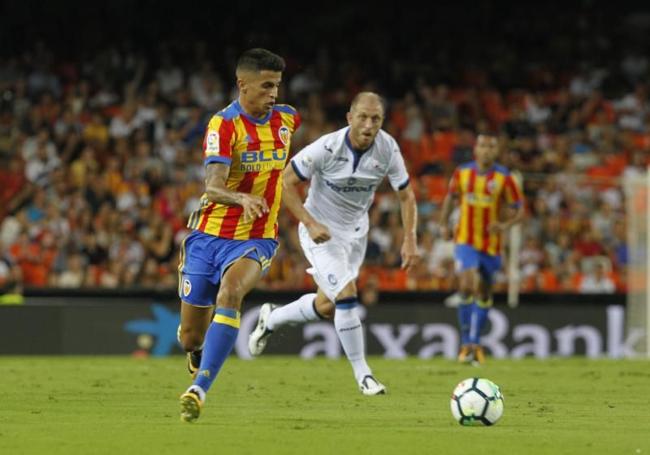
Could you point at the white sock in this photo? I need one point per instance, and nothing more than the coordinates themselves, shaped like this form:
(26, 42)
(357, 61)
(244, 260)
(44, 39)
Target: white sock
(199, 390)
(350, 331)
(296, 312)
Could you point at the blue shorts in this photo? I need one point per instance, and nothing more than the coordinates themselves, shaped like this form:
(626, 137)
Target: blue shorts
(205, 258)
(467, 257)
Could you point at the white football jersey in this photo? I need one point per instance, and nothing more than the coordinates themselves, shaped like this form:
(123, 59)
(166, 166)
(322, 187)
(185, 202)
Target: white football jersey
(344, 181)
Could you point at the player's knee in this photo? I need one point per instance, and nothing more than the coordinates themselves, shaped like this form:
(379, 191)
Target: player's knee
(326, 310)
(323, 306)
(484, 291)
(466, 289)
(466, 283)
(230, 296)
(191, 339)
(484, 296)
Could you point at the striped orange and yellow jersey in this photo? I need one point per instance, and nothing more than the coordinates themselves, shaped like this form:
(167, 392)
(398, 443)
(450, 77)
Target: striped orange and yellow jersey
(481, 197)
(256, 150)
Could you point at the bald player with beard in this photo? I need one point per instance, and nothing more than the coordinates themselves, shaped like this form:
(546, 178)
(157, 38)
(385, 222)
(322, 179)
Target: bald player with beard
(344, 169)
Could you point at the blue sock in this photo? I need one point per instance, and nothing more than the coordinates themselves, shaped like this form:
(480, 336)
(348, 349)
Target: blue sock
(478, 320)
(464, 319)
(219, 341)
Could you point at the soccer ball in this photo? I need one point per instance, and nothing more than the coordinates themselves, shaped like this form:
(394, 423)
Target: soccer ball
(477, 401)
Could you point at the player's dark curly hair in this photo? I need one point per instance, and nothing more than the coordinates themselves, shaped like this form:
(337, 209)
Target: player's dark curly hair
(259, 59)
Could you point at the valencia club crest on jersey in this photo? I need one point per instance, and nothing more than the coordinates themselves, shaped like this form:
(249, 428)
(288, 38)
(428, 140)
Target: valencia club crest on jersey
(187, 287)
(284, 134)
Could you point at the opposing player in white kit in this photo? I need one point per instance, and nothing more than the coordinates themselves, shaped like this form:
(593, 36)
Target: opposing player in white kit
(344, 168)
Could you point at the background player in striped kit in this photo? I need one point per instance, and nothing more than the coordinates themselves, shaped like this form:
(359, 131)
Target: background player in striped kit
(480, 187)
(344, 168)
(235, 229)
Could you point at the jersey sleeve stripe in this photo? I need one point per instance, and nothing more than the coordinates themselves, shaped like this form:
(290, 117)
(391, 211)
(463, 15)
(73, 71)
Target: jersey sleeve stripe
(226, 131)
(297, 171)
(217, 159)
(404, 185)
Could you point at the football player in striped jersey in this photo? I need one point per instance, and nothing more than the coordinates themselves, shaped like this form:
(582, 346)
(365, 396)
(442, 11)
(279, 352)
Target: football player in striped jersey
(480, 188)
(234, 231)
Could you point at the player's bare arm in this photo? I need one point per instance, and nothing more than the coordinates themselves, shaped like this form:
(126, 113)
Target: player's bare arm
(217, 191)
(292, 200)
(450, 201)
(409, 213)
(517, 217)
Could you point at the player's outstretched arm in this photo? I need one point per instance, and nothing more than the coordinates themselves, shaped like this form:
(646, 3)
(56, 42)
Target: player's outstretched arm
(409, 212)
(292, 200)
(216, 190)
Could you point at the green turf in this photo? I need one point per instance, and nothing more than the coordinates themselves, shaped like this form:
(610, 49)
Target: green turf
(120, 405)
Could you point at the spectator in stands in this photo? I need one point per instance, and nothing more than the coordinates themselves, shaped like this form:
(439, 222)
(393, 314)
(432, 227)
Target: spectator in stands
(597, 281)
(104, 137)
(73, 275)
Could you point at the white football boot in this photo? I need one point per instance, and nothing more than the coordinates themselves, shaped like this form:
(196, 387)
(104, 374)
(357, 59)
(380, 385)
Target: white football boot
(258, 337)
(370, 386)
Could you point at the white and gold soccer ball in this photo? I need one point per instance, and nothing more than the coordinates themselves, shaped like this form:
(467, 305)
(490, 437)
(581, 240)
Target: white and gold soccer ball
(477, 401)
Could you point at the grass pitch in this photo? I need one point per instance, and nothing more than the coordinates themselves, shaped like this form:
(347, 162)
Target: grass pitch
(284, 405)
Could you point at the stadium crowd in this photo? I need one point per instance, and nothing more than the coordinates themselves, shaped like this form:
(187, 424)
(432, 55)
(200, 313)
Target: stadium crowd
(101, 164)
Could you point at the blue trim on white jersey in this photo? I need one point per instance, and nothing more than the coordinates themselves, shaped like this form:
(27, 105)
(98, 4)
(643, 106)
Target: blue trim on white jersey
(349, 144)
(404, 185)
(356, 153)
(356, 157)
(297, 171)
